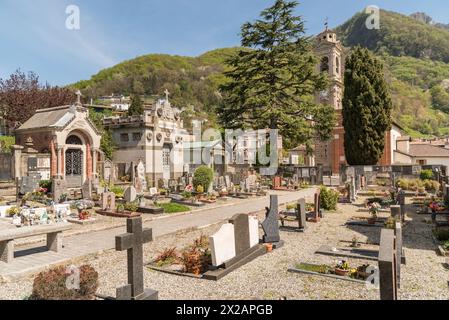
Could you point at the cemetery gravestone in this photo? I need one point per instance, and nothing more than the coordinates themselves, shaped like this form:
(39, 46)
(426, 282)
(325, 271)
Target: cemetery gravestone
(395, 211)
(86, 189)
(133, 241)
(222, 245)
(140, 182)
(30, 183)
(253, 231)
(235, 244)
(387, 266)
(271, 224)
(108, 201)
(130, 194)
(302, 217)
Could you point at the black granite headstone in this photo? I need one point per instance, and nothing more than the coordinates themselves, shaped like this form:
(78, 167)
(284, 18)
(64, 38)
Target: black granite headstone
(302, 215)
(387, 266)
(241, 233)
(271, 224)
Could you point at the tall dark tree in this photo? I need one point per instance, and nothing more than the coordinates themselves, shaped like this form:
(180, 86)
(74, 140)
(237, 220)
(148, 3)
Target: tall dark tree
(273, 78)
(366, 108)
(22, 94)
(136, 107)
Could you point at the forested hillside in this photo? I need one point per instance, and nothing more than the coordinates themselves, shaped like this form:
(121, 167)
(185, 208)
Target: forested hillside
(415, 51)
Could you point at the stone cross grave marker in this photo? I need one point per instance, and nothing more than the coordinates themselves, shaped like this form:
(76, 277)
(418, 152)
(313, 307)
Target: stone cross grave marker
(108, 201)
(133, 241)
(271, 224)
(130, 194)
(387, 265)
(302, 217)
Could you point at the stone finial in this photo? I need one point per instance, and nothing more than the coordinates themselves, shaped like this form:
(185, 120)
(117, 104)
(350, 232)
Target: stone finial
(78, 97)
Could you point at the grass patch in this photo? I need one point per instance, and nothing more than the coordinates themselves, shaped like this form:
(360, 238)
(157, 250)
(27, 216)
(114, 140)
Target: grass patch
(173, 207)
(313, 267)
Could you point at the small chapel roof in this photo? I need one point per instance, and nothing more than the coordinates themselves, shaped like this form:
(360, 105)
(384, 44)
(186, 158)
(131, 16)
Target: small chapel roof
(54, 118)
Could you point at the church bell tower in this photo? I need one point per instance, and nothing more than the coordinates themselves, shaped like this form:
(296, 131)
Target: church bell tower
(330, 154)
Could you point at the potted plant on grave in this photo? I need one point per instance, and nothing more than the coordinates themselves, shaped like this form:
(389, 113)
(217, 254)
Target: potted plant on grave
(342, 269)
(120, 208)
(355, 243)
(362, 273)
(373, 210)
(199, 192)
(63, 197)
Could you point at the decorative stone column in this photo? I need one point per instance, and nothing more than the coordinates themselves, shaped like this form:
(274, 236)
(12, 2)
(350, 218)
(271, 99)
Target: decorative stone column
(89, 165)
(59, 151)
(54, 160)
(94, 162)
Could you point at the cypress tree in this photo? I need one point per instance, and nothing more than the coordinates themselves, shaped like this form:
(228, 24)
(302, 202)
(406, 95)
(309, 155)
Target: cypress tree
(367, 108)
(136, 107)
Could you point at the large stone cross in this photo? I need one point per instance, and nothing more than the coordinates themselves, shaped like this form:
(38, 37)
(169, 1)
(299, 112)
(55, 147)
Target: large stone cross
(133, 241)
(167, 93)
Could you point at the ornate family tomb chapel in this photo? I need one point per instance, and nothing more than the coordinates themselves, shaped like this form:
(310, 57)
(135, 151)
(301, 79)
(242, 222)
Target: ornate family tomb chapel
(66, 142)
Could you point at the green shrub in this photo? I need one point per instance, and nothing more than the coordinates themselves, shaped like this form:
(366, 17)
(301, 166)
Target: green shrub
(441, 234)
(446, 246)
(426, 174)
(203, 176)
(131, 206)
(46, 184)
(118, 191)
(329, 198)
(6, 143)
(51, 285)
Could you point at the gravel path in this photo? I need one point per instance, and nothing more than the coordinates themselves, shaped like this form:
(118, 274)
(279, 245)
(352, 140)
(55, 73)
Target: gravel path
(424, 276)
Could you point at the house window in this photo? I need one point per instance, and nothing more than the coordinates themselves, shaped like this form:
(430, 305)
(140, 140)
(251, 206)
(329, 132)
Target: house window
(137, 136)
(124, 137)
(337, 65)
(422, 162)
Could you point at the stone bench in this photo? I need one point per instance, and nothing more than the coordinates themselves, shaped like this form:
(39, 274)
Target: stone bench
(53, 232)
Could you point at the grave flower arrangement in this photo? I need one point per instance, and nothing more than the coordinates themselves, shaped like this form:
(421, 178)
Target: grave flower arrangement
(14, 211)
(373, 210)
(342, 268)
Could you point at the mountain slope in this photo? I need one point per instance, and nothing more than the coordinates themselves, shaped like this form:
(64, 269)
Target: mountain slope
(399, 35)
(418, 78)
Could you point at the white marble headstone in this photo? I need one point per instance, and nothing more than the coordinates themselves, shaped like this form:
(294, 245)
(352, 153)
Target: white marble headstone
(253, 231)
(153, 191)
(222, 245)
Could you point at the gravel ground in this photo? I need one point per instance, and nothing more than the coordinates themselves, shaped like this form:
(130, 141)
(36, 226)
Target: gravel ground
(424, 276)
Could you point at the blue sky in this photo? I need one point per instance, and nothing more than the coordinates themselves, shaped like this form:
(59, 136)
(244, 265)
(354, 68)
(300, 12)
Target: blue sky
(33, 35)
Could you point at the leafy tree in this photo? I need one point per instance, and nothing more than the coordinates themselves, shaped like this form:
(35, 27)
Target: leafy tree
(272, 80)
(366, 108)
(136, 107)
(440, 98)
(22, 94)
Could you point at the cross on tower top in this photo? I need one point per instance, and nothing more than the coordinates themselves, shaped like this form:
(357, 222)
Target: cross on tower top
(167, 93)
(326, 23)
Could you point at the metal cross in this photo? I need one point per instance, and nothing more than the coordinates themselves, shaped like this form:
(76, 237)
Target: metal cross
(133, 241)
